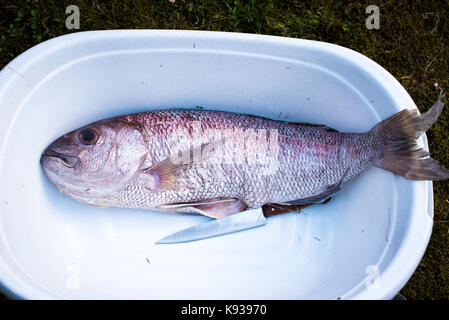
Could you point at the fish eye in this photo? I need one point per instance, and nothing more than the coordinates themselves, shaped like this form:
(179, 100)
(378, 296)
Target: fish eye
(88, 137)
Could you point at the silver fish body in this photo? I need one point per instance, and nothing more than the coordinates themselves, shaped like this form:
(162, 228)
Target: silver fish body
(219, 163)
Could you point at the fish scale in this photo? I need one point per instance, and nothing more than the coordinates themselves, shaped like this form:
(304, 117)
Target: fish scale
(306, 174)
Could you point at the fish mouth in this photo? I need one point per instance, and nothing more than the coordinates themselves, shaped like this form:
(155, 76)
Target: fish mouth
(67, 160)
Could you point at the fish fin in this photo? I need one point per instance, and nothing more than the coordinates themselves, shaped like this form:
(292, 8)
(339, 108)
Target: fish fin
(214, 208)
(313, 125)
(400, 153)
(98, 205)
(272, 209)
(294, 122)
(163, 175)
(321, 197)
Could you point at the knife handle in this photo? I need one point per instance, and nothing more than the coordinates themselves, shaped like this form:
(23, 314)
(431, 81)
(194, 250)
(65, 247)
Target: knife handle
(276, 209)
(273, 209)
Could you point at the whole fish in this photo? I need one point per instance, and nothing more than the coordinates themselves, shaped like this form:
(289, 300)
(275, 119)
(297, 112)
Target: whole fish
(220, 163)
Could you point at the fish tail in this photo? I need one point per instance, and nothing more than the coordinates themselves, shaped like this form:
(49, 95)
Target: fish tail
(400, 153)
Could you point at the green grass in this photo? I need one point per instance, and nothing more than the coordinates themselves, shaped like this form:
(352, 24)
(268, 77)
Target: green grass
(412, 44)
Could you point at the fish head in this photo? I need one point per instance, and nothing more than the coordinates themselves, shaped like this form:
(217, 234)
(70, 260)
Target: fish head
(96, 161)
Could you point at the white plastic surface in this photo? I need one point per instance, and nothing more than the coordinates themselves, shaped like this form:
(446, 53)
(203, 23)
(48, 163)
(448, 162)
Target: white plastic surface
(364, 244)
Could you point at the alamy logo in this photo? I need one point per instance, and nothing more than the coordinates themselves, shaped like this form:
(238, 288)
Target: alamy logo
(73, 277)
(73, 20)
(373, 20)
(372, 280)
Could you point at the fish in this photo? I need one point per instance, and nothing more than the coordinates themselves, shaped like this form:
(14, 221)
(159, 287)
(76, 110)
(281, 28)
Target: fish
(218, 163)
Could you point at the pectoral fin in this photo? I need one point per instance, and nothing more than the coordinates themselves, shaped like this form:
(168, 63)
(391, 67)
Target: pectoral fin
(163, 175)
(214, 208)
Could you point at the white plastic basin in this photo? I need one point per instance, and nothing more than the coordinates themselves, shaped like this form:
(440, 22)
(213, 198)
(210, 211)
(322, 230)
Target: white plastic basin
(364, 244)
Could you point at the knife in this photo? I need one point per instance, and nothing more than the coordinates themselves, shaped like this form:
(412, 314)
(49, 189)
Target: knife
(233, 223)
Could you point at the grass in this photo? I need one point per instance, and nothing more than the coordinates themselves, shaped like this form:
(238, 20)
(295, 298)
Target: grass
(412, 44)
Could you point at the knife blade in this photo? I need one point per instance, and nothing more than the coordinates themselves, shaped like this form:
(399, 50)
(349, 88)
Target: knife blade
(237, 222)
